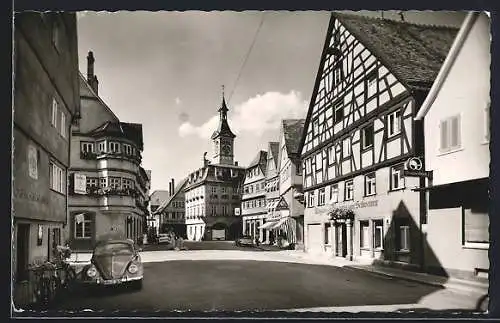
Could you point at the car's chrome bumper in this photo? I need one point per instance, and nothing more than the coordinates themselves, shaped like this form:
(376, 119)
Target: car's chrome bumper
(117, 281)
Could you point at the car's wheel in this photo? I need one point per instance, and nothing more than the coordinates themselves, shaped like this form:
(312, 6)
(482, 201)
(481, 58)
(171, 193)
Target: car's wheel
(137, 284)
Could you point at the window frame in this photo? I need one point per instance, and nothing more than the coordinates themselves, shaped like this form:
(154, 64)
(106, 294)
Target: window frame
(86, 222)
(397, 120)
(84, 144)
(114, 144)
(321, 196)
(347, 190)
(448, 122)
(364, 144)
(407, 240)
(364, 241)
(334, 188)
(399, 169)
(57, 176)
(371, 183)
(55, 109)
(372, 76)
(338, 106)
(63, 125)
(473, 244)
(378, 225)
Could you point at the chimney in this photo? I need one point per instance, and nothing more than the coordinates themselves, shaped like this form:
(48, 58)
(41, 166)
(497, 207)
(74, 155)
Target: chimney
(235, 163)
(173, 186)
(91, 78)
(169, 188)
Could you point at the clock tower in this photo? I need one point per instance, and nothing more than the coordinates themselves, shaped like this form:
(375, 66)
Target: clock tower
(223, 138)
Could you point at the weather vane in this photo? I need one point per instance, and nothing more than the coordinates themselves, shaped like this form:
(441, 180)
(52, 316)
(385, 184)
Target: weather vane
(222, 90)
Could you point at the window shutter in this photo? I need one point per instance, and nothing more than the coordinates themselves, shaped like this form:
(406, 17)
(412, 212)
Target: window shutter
(444, 135)
(455, 132)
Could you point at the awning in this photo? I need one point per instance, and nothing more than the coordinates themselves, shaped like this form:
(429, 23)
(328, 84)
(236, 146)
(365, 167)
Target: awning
(267, 225)
(279, 224)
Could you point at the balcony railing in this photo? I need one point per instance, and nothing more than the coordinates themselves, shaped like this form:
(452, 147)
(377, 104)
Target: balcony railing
(92, 156)
(104, 191)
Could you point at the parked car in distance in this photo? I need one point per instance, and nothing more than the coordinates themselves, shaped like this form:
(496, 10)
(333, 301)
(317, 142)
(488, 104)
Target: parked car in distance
(244, 241)
(164, 238)
(114, 262)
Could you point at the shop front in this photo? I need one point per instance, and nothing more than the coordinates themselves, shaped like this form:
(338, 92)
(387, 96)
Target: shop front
(280, 226)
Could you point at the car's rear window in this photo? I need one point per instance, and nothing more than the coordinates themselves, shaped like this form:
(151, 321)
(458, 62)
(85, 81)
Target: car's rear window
(115, 248)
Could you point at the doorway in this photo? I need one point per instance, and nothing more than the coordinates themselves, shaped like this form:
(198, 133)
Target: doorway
(341, 240)
(22, 243)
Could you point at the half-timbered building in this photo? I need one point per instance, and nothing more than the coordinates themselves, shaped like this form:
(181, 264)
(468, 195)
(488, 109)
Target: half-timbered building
(253, 200)
(285, 210)
(171, 212)
(272, 189)
(360, 130)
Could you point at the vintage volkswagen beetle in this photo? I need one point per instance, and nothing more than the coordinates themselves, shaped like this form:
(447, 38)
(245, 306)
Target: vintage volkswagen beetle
(244, 241)
(114, 262)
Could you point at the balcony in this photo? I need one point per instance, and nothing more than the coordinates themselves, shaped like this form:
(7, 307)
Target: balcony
(121, 155)
(88, 155)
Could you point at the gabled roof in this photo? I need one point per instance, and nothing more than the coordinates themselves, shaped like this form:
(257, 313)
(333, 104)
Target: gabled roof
(132, 131)
(86, 90)
(167, 201)
(414, 53)
(292, 131)
(261, 158)
(448, 63)
(274, 148)
(158, 197)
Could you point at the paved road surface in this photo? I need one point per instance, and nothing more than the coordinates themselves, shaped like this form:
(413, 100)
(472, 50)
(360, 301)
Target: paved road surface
(208, 285)
(207, 245)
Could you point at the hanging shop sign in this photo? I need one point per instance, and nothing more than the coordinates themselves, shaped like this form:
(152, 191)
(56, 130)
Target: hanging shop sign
(351, 206)
(237, 211)
(414, 167)
(80, 183)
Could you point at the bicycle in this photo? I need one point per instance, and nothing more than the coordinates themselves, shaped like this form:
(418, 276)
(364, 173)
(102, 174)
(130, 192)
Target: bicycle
(66, 275)
(45, 284)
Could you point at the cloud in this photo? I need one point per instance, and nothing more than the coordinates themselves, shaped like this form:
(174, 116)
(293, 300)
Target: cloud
(203, 131)
(178, 101)
(183, 117)
(256, 115)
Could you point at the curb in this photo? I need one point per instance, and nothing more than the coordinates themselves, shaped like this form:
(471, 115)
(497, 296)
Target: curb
(447, 285)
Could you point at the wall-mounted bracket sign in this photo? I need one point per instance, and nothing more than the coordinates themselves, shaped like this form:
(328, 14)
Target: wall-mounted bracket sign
(414, 167)
(80, 183)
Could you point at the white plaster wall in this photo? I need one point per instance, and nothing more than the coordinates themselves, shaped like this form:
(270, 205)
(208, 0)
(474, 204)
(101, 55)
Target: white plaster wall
(465, 92)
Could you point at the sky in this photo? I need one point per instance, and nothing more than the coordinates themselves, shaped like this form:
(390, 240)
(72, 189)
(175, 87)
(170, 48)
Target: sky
(165, 70)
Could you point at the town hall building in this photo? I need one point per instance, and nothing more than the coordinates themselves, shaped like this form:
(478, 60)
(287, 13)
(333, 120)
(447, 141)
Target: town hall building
(213, 192)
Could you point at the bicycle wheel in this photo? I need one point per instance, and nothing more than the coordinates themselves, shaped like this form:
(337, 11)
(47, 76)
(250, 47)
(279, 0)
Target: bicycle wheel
(43, 293)
(70, 277)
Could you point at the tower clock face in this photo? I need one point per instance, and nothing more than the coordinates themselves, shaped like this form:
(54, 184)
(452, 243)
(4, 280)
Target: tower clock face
(226, 149)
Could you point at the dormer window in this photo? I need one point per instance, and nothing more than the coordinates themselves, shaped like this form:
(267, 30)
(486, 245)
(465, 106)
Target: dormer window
(127, 149)
(114, 147)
